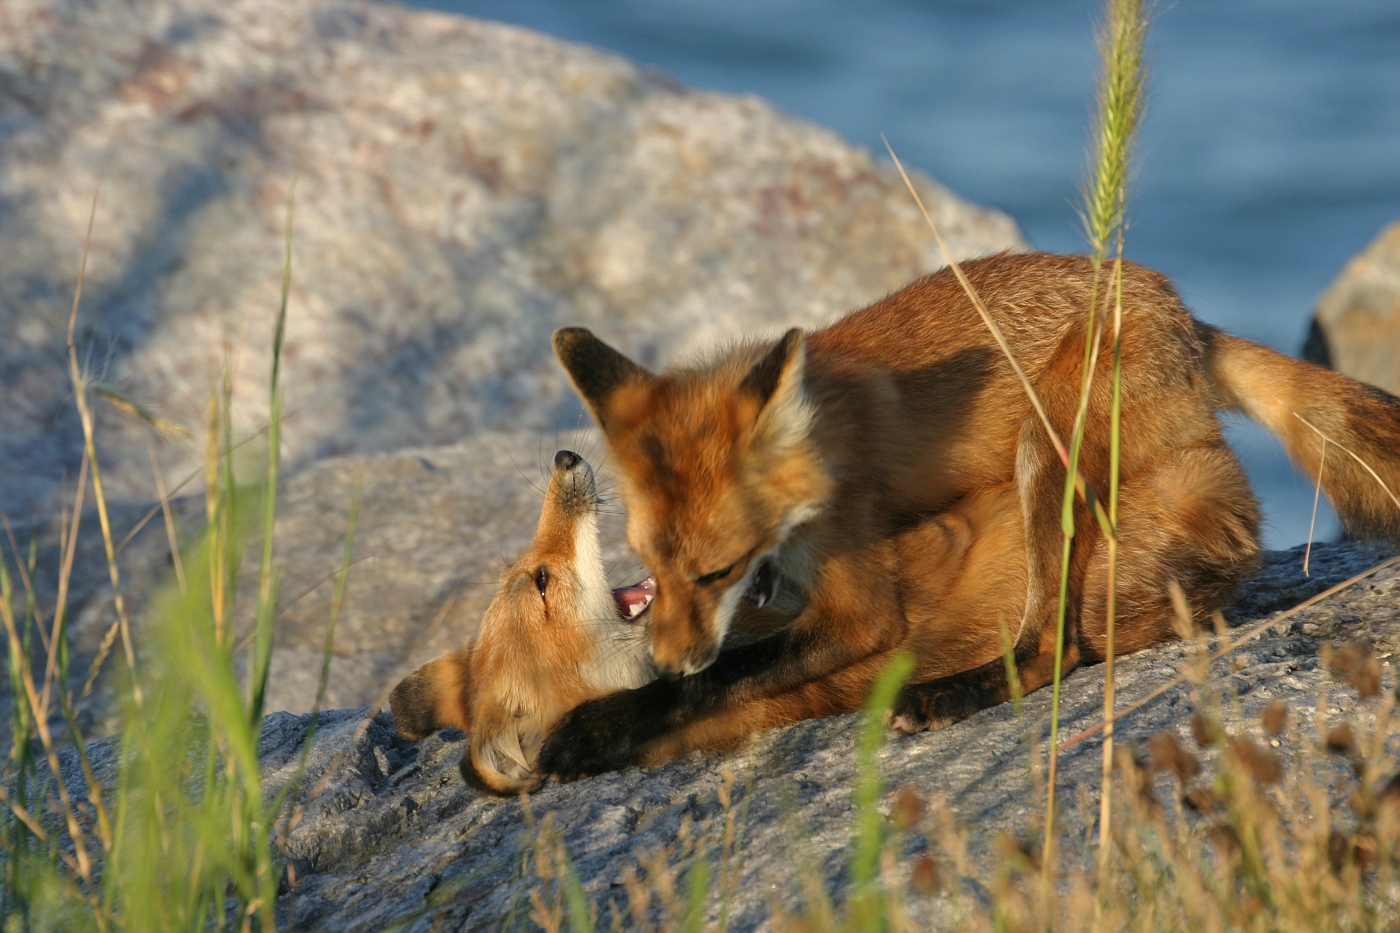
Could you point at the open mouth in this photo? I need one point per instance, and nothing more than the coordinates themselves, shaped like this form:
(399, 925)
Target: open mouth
(636, 599)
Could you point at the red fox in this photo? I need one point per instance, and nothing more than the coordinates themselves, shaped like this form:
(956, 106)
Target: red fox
(778, 492)
(554, 636)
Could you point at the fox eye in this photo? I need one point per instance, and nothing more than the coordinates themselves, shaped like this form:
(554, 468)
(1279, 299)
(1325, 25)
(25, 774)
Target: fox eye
(715, 577)
(542, 579)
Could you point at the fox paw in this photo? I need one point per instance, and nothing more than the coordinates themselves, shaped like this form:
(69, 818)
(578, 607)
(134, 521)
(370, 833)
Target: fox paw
(592, 739)
(921, 707)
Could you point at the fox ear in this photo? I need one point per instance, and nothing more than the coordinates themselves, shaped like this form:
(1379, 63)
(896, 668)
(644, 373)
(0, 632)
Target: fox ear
(596, 369)
(776, 383)
(433, 697)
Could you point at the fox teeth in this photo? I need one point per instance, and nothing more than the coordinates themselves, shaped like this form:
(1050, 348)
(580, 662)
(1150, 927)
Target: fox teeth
(634, 600)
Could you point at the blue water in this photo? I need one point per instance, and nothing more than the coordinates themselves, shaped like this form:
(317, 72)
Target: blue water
(1270, 154)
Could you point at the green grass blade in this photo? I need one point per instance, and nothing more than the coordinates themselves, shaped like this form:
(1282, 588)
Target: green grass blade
(261, 657)
(575, 899)
(337, 599)
(1122, 43)
(697, 896)
(870, 786)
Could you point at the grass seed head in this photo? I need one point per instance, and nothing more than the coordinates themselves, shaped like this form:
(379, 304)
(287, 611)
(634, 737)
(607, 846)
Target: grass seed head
(1205, 730)
(1202, 800)
(1167, 754)
(924, 877)
(1341, 740)
(1355, 664)
(1274, 717)
(1260, 763)
(908, 807)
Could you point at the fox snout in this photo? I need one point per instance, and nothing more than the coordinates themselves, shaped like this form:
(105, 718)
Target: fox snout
(575, 491)
(555, 635)
(694, 658)
(688, 633)
(682, 642)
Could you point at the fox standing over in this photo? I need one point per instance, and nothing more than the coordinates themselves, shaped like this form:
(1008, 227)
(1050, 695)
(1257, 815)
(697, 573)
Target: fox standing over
(791, 466)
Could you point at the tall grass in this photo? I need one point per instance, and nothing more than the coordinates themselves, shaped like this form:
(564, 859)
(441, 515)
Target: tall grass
(168, 827)
(1122, 44)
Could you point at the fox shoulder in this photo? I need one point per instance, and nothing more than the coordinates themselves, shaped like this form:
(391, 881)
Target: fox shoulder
(433, 697)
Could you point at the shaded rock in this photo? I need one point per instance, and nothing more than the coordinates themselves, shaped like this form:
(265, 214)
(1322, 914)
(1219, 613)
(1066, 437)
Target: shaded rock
(463, 188)
(1356, 329)
(396, 836)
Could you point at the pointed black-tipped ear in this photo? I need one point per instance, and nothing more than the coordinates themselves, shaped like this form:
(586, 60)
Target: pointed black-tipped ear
(781, 366)
(595, 369)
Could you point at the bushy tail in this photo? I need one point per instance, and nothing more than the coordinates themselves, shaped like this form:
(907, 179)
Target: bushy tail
(433, 697)
(1304, 404)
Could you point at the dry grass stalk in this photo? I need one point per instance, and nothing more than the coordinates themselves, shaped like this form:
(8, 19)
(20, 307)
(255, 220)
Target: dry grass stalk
(1082, 487)
(1317, 495)
(1122, 43)
(1351, 453)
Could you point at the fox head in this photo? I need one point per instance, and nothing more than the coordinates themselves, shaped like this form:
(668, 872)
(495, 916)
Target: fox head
(554, 636)
(717, 469)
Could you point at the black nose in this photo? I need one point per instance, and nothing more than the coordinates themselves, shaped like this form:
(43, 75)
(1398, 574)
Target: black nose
(566, 460)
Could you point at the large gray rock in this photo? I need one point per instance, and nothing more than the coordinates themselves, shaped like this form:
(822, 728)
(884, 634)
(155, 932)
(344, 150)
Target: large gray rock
(1356, 329)
(386, 832)
(462, 188)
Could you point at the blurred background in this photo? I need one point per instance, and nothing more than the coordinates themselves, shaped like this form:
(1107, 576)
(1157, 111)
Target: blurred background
(1269, 156)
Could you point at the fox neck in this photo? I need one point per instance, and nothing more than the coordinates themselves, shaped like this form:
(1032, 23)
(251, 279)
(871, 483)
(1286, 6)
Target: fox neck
(619, 658)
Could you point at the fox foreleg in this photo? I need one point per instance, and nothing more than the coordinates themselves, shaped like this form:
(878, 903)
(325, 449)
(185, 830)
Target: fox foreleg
(835, 631)
(1040, 479)
(939, 703)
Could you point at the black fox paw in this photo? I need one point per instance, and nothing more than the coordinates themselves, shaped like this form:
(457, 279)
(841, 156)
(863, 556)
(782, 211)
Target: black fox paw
(914, 709)
(921, 707)
(592, 739)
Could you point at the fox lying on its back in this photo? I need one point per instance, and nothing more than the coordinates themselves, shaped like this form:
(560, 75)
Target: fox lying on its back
(554, 636)
(768, 492)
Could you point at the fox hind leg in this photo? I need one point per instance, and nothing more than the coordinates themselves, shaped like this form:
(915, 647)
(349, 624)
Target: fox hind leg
(1192, 520)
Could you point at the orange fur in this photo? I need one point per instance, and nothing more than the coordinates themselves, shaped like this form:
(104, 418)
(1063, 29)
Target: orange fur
(889, 470)
(536, 655)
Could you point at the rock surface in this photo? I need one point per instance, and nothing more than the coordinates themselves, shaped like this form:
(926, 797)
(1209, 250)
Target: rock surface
(394, 839)
(462, 189)
(1356, 329)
